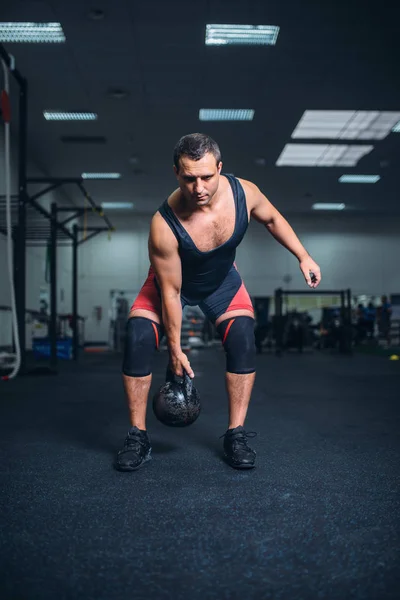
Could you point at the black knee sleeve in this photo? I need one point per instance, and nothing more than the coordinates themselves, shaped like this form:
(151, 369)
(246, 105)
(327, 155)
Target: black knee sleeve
(237, 336)
(142, 339)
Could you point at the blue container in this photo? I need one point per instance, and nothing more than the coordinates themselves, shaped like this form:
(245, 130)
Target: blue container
(41, 348)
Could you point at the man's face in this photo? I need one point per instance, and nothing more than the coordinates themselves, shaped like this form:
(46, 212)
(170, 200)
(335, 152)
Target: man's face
(198, 179)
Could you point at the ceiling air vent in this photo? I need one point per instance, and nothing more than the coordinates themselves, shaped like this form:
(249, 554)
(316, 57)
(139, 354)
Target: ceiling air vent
(83, 139)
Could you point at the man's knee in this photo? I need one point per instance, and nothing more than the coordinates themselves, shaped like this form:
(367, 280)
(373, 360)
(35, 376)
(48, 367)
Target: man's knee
(237, 336)
(141, 341)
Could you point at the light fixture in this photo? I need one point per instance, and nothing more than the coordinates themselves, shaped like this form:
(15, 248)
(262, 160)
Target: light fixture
(396, 128)
(56, 115)
(328, 206)
(96, 14)
(359, 178)
(117, 93)
(101, 175)
(226, 114)
(117, 205)
(345, 124)
(221, 35)
(83, 139)
(31, 32)
(321, 155)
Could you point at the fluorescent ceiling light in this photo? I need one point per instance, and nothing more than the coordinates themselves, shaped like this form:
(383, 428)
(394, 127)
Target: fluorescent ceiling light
(321, 155)
(116, 205)
(328, 206)
(31, 32)
(226, 114)
(396, 128)
(101, 175)
(221, 35)
(56, 115)
(345, 124)
(359, 178)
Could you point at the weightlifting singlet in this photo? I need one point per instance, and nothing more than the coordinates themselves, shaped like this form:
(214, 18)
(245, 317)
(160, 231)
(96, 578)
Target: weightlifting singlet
(203, 272)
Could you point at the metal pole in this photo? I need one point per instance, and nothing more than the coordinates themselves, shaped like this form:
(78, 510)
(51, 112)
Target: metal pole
(14, 72)
(47, 215)
(92, 204)
(53, 287)
(349, 323)
(279, 323)
(20, 236)
(343, 326)
(75, 324)
(281, 320)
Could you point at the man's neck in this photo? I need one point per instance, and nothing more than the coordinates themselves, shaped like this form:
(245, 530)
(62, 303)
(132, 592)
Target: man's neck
(187, 207)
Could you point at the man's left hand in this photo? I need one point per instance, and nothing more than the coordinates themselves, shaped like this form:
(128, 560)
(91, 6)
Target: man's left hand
(311, 271)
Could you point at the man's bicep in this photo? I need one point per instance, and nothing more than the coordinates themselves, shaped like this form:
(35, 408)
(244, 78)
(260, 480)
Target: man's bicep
(263, 211)
(168, 269)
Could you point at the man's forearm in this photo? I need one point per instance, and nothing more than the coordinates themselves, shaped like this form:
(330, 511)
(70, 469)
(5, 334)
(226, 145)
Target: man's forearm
(172, 321)
(284, 234)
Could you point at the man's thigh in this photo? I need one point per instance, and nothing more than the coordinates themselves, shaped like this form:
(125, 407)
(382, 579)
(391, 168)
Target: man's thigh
(148, 301)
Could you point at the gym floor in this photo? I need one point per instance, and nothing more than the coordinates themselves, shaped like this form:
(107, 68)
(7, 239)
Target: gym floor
(319, 516)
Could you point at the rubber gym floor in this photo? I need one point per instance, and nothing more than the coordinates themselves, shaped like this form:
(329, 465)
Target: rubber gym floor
(317, 518)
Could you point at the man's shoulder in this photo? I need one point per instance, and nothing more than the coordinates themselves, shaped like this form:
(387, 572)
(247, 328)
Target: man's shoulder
(158, 223)
(173, 197)
(161, 234)
(249, 186)
(250, 189)
(169, 200)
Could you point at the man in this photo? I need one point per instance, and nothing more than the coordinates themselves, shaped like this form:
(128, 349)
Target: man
(370, 316)
(384, 320)
(192, 244)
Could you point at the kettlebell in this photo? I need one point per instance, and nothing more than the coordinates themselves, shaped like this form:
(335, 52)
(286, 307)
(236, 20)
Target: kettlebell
(177, 403)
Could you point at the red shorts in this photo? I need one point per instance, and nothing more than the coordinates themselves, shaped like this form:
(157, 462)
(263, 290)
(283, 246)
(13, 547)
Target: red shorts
(230, 295)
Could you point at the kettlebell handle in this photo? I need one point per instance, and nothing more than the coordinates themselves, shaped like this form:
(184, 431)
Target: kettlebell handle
(185, 380)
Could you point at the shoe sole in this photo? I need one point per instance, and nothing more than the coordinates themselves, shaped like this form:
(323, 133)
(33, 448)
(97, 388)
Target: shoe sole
(125, 469)
(235, 466)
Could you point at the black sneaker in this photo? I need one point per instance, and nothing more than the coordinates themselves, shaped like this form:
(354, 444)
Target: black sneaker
(237, 452)
(136, 451)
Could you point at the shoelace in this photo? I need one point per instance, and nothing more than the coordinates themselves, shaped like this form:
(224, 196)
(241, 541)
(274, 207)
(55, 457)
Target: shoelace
(133, 440)
(240, 437)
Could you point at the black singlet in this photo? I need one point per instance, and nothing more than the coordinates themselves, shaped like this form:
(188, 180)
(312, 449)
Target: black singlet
(203, 272)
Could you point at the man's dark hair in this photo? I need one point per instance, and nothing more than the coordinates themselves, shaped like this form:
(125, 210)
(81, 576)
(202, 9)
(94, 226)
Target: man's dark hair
(195, 146)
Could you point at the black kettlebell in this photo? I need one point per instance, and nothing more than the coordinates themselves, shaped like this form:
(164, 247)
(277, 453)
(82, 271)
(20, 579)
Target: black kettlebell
(177, 403)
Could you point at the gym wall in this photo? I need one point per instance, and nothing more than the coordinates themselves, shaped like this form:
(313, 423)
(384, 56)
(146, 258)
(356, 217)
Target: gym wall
(366, 262)
(120, 262)
(355, 252)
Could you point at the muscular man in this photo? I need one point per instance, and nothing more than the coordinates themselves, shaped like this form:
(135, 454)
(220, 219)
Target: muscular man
(192, 244)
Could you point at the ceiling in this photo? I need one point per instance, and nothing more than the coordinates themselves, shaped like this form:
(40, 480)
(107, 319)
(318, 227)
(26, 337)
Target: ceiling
(327, 57)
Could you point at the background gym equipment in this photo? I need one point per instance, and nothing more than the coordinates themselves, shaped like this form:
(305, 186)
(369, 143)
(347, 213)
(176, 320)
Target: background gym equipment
(291, 326)
(32, 224)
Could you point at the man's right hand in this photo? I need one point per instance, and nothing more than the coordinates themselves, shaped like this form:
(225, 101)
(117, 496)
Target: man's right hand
(178, 363)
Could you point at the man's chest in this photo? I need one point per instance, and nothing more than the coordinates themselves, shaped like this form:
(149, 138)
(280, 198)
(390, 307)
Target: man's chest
(210, 231)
